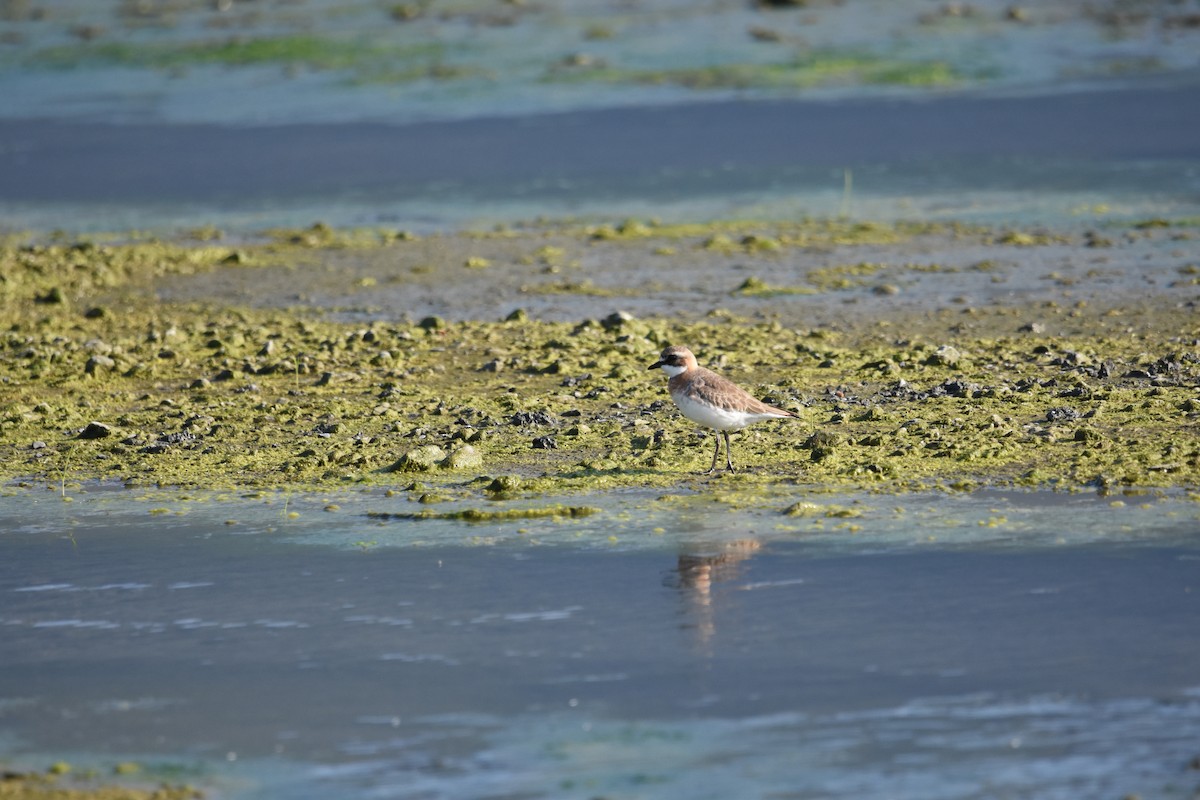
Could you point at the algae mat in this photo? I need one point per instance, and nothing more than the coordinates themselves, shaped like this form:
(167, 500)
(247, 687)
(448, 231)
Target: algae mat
(916, 356)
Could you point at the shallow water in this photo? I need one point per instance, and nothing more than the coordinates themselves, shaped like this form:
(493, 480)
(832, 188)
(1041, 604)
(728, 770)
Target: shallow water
(1032, 159)
(144, 116)
(1025, 645)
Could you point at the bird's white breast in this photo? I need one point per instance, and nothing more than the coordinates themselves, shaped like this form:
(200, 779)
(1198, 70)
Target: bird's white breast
(711, 416)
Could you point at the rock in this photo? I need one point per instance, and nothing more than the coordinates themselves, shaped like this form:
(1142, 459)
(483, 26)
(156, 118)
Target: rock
(526, 418)
(504, 484)
(822, 439)
(53, 296)
(465, 457)
(197, 421)
(944, 356)
(180, 437)
(804, 508)
(95, 430)
(422, 459)
(545, 443)
(822, 445)
(1061, 414)
(99, 362)
(616, 320)
(955, 387)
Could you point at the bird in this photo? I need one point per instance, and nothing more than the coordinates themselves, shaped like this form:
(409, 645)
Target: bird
(711, 400)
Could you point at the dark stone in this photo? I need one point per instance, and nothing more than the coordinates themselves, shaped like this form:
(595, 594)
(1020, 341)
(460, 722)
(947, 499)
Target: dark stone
(527, 418)
(95, 430)
(1062, 414)
(97, 362)
(54, 296)
(616, 320)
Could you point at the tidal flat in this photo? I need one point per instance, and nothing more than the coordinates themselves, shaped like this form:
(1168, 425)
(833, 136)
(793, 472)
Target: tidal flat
(512, 362)
(387, 505)
(340, 512)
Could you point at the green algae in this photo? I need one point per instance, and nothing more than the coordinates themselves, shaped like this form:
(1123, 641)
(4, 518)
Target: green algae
(217, 397)
(584, 287)
(757, 287)
(751, 235)
(818, 68)
(61, 782)
(365, 59)
(489, 515)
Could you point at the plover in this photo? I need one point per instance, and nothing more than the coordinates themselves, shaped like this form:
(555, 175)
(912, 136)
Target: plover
(714, 402)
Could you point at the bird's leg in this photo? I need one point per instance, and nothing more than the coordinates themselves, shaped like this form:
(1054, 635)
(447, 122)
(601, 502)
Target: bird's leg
(716, 454)
(728, 453)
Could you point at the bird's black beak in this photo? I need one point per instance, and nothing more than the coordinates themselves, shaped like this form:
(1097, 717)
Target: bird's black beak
(655, 365)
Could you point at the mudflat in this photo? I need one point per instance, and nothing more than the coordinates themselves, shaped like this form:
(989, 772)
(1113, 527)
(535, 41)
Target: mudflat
(917, 355)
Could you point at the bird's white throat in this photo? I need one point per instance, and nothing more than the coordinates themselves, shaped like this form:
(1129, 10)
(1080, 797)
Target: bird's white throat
(673, 370)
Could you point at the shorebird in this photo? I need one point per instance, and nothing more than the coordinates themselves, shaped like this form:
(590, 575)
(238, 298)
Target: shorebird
(710, 400)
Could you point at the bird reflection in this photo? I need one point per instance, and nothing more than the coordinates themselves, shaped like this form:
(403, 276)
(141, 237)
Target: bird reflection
(695, 574)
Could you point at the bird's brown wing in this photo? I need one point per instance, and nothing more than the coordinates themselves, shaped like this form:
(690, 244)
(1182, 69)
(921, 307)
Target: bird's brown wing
(709, 386)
